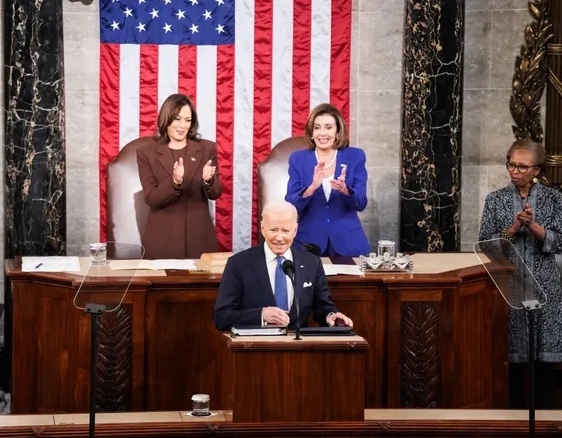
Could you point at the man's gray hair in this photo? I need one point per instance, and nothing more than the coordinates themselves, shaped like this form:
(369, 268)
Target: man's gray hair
(279, 207)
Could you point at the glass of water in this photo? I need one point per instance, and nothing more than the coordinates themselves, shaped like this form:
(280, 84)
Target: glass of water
(98, 254)
(386, 249)
(200, 405)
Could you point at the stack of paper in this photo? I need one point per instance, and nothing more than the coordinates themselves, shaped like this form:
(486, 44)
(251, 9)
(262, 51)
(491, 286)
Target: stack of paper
(253, 330)
(342, 269)
(214, 259)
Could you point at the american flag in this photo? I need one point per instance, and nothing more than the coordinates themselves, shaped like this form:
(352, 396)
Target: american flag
(254, 69)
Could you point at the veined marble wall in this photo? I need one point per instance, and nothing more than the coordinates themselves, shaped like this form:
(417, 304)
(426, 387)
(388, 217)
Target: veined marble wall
(432, 125)
(2, 167)
(493, 35)
(34, 154)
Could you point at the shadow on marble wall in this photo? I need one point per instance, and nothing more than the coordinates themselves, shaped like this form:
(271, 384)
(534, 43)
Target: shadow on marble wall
(380, 218)
(477, 182)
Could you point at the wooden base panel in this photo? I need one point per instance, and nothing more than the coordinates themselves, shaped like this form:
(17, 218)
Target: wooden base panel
(399, 423)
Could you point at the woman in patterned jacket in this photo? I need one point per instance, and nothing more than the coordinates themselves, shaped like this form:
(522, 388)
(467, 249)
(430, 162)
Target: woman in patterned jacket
(529, 214)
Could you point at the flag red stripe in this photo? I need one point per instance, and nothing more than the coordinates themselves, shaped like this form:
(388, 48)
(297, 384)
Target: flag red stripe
(109, 122)
(187, 72)
(301, 64)
(262, 97)
(148, 89)
(340, 60)
(225, 141)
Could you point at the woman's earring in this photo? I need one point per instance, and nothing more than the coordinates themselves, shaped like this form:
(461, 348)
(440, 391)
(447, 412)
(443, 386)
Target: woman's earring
(535, 180)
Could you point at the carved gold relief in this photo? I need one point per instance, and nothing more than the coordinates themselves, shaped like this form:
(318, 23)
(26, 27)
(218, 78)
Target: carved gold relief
(530, 75)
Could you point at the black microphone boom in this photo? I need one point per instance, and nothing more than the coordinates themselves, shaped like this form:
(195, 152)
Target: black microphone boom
(289, 269)
(311, 248)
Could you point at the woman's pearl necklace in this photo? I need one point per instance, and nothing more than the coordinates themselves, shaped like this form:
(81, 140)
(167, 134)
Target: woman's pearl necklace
(326, 166)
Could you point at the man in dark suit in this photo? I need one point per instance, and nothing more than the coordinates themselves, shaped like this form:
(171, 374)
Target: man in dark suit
(248, 293)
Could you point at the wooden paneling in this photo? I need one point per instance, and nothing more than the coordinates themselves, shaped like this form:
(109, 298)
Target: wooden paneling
(184, 351)
(285, 380)
(396, 423)
(366, 303)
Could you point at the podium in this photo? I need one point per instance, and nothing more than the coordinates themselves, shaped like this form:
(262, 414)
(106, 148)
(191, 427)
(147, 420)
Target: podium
(316, 379)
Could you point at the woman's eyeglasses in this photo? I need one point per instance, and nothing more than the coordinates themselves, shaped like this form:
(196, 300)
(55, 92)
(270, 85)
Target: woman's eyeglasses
(521, 168)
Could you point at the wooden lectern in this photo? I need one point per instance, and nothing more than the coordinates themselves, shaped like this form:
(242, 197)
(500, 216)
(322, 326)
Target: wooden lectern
(278, 379)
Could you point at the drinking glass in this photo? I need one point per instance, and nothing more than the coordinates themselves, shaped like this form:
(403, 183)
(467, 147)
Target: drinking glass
(98, 254)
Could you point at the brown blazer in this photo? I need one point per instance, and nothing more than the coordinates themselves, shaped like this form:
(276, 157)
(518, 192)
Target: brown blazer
(179, 224)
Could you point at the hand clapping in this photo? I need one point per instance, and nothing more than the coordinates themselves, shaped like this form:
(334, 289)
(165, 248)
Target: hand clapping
(209, 171)
(178, 172)
(525, 217)
(339, 183)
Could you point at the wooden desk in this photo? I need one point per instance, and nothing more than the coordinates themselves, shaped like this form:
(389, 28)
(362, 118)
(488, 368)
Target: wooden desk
(279, 379)
(436, 340)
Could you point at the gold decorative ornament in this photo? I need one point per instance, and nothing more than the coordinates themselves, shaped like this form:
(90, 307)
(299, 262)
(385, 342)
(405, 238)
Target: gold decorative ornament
(529, 79)
(554, 160)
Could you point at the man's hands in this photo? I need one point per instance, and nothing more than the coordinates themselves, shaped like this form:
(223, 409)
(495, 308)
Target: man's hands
(339, 319)
(275, 316)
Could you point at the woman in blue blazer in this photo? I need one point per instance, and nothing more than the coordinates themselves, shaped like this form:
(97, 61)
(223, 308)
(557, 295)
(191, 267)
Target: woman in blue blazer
(327, 185)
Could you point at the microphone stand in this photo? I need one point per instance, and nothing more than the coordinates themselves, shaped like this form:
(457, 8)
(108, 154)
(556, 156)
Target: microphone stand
(289, 270)
(297, 308)
(95, 311)
(530, 306)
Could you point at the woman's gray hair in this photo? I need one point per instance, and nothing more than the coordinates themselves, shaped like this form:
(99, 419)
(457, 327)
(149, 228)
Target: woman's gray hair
(537, 149)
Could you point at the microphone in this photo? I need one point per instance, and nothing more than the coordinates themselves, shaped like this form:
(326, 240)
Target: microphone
(311, 248)
(289, 269)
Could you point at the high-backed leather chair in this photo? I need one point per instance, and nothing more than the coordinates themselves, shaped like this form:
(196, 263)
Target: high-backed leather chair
(127, 210)
(273, 172)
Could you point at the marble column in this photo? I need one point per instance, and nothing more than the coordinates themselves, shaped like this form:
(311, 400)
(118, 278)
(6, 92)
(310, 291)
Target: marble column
(34, 148)
(34, 153)
(431, 125)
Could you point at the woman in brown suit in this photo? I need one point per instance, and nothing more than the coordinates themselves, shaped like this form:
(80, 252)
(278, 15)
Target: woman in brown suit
(178, 173)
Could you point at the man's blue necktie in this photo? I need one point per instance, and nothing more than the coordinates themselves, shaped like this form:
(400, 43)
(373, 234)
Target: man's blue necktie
(281, 297)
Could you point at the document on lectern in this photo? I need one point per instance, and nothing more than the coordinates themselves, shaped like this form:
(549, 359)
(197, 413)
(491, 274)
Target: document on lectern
(50, 264)
(258, 330)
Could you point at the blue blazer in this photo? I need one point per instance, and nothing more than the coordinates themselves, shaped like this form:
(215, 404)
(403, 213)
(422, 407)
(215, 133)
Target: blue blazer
(245, 289)
(335, 219)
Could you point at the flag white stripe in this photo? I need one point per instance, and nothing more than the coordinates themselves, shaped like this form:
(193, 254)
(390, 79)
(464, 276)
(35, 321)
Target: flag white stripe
(282, 71)
(129, 93)
(207, 97)
(207, 91)
(243, 125)
(168, 56)
(320, 52)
